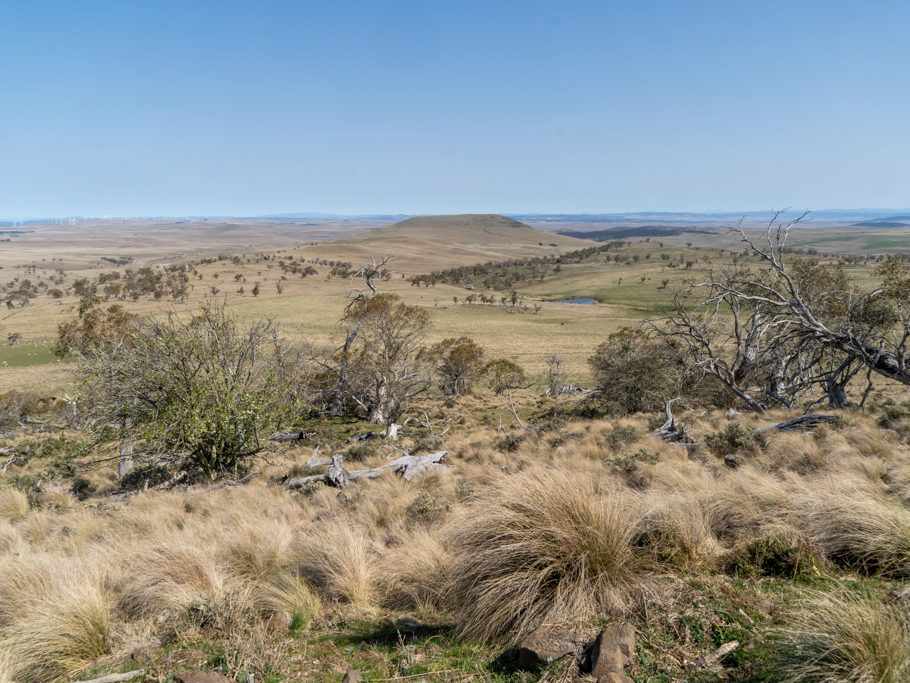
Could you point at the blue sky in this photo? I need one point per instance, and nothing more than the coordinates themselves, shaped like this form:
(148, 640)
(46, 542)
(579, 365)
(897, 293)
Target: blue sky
(247, 108)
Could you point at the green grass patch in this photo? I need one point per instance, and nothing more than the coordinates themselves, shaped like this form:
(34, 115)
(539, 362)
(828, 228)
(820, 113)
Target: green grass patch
(24, 355)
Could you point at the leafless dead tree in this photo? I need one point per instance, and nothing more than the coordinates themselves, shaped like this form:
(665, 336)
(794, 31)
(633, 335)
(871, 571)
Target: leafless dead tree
(790, 325)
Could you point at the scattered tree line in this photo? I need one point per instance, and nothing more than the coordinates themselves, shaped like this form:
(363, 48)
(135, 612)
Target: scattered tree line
(205, 391)
(504, 275)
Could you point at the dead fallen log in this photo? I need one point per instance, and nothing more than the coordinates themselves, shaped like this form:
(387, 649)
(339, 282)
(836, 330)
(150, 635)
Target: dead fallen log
(313, 462)
(170, 483)
(285, 437)
(407, 467)
(12, 458)
(174, 484)
(671, 431)
(712, 658)
(116, 678)
(363, 436)
(801, 423)
(238, 482)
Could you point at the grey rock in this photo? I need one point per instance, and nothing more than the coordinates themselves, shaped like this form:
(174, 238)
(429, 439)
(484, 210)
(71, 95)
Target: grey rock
(613, 650)
(546, 643)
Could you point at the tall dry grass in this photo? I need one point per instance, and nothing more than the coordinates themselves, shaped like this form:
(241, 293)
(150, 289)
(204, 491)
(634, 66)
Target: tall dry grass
(13, 503)
(543, 543)
(55, 616)
(575, 524)
(341, 561)
(854, 525)
(846, 636)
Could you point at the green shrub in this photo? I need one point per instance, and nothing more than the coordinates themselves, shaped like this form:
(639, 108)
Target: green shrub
(361, 451)
(893, 412)
(627, 463)
(735, 438)
(619, 436)
(425, 508)
(510, 442)
(635, 372)
(203, 386)
(458, 363)
(504, 374)
(82, 488)
(782, 555)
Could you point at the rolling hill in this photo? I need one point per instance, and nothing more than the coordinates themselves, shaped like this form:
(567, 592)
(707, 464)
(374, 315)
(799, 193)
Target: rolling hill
(429, 242)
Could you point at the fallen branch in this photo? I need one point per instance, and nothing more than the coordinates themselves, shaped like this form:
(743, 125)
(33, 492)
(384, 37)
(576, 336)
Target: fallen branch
(230, 484)
(170, 483)
(407, 467)
(12, 458)
(116, 678)
(515, 413)
(284, 437)
(801, 423)
(363, 436)
(713, 657)
(313, 462)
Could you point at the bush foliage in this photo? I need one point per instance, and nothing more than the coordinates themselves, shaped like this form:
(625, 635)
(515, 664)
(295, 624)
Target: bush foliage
(204, 388)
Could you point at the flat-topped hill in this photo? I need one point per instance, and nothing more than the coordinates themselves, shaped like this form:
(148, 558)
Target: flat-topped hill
(428, 242)
(473, 227)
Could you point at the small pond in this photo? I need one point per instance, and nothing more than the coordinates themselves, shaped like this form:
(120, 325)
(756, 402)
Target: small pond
(577, 300)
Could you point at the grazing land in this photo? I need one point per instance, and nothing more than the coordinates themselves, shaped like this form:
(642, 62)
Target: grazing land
(172, 395)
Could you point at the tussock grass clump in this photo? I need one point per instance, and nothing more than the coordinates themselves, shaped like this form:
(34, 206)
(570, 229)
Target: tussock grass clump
(342, 563)
(288, 593)
(25, 581)
(60, 635)
(845, 636)
(258, 551)
(174, 575)
(416, 572)
(676, 531)
(544, 543)
(854, 526)
(8, 665)
(13, 504)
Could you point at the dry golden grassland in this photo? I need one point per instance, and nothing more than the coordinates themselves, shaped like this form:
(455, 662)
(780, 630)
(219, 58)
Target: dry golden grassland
(803, 546)
(795, 545)
(310, 307)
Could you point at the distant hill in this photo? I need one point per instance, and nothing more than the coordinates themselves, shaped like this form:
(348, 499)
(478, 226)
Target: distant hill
(469, 228)
(625, 232)
(429, 242)
(887, 222)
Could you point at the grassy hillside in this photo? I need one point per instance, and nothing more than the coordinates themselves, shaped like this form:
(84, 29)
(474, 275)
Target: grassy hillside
(429, 242)
(792, 554)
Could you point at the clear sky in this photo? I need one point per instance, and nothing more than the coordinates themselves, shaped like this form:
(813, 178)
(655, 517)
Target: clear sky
(150, 107)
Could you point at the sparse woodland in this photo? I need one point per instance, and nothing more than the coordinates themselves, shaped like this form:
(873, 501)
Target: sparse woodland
(729, 484)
